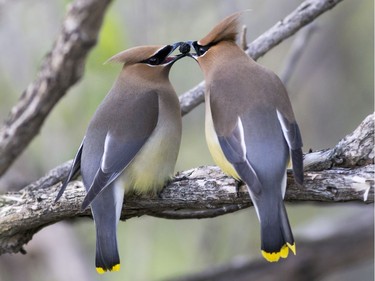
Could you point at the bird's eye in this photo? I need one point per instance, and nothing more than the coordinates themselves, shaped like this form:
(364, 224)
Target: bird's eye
(153, 61)
(201, 50)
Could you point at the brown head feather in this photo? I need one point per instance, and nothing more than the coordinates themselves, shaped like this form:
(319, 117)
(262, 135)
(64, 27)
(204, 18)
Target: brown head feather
(134, 55)
(226, 30)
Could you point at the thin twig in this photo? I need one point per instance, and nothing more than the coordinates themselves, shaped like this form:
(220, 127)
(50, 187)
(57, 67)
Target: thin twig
(298, 47)
(243, 39)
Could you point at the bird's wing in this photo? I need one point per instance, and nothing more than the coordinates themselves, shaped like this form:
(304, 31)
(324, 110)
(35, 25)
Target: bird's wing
(234, 148)
(74, 169)
(293, 137)
(121, 148)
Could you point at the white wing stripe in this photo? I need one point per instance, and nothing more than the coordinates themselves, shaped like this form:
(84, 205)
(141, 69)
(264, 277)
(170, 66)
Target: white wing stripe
(283, 127)
(242, 137)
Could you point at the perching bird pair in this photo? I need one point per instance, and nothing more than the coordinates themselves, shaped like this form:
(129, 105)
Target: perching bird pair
(133, 140)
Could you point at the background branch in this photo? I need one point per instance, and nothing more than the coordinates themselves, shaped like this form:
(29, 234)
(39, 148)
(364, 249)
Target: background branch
(308, 11)
(243, 38)
(62, 67)
(202, 192)
(296, 50)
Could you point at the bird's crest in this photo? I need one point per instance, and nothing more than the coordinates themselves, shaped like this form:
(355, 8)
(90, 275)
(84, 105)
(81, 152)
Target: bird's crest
(226, 30)
(134, 55)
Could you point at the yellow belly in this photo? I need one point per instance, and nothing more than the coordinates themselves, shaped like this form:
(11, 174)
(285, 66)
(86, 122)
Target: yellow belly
(154, 165)
(214, 146)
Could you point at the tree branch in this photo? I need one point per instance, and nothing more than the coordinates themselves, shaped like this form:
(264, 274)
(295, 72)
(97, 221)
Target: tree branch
(62, 67)
(308, 11)
(202, 192)
(356, 149)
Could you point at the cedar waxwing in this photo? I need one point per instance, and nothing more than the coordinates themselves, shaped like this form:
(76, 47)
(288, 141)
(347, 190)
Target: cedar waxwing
(135, 133)
(250, 130)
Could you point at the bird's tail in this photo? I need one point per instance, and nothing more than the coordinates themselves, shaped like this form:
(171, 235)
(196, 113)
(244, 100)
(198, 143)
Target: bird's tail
(107, 257)
(276, 234)
(106, 209)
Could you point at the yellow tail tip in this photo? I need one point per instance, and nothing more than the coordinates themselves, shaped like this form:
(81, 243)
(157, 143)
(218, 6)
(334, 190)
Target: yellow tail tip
(292, 247)
(271, 257)
(283, 253)
(101, 270)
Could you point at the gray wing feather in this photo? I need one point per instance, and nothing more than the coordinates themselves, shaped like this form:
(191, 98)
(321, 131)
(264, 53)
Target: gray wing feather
(234, 150)
(74, 170)
(293, 137)
(116, 158)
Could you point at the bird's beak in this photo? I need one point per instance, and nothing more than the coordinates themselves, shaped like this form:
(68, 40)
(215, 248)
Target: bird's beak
(191, 45)
(169, 60)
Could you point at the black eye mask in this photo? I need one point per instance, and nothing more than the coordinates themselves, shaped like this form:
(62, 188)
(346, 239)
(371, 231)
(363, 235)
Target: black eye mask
(201, 50)
(160, 57)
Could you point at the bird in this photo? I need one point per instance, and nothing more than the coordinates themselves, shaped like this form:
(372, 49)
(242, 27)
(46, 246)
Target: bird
(131, 143)
(250, 129)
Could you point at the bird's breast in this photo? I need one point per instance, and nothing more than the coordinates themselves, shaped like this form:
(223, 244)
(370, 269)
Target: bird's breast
(154, 164)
